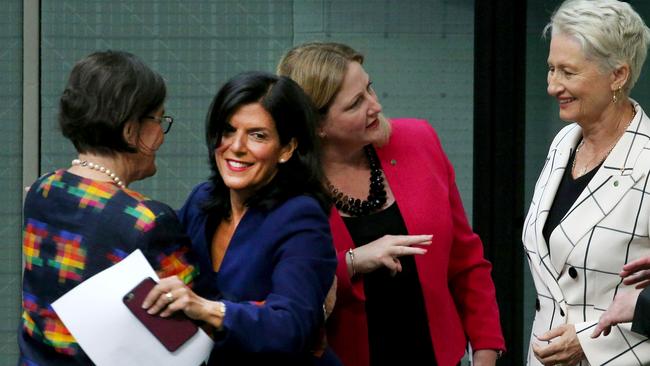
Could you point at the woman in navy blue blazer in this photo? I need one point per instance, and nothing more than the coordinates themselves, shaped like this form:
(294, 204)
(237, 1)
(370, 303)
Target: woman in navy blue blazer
(260, 229)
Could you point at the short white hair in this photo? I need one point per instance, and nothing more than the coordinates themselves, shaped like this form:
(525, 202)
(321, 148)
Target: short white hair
(610, 32)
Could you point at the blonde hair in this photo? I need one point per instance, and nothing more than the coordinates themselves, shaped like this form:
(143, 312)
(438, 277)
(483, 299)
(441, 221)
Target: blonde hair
(319, 68)
(609, 31)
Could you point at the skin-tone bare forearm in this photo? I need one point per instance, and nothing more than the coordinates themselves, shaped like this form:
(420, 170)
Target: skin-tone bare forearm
(484, 357)
(211, 314)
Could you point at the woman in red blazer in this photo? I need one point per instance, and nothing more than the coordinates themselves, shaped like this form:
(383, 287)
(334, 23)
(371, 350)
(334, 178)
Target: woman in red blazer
(413, 286)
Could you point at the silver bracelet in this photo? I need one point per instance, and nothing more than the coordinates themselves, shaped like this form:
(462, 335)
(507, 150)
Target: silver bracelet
(221, 313)
(222, 308)
(351, 253)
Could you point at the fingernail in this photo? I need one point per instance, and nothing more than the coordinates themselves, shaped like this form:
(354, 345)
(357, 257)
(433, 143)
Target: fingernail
(150, 311)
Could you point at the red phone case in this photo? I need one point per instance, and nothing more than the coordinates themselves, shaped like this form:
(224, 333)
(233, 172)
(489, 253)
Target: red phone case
(171, 331)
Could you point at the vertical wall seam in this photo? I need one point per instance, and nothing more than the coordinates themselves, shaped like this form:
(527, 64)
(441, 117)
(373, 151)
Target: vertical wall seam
(31, 91)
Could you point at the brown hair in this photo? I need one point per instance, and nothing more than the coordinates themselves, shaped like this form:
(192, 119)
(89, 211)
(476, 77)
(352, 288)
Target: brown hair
(319, 68)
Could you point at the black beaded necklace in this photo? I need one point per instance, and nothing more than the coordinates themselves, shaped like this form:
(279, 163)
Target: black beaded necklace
(376, 195)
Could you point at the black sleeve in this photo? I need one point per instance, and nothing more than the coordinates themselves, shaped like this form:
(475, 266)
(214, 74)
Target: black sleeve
(641, 320)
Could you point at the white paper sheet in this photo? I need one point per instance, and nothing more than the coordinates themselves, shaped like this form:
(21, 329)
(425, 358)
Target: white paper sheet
(107, 331)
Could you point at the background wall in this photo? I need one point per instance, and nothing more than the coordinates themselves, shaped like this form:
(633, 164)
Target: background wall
(10, 174)
(419, 54)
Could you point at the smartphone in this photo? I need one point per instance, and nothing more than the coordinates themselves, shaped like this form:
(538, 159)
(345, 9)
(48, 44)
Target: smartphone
(171, 331)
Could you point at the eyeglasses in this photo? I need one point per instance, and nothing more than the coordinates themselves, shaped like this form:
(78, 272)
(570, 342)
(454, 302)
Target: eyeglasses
(165, 122)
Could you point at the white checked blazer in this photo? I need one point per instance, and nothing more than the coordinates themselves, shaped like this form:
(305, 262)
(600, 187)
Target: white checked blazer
(606, 227)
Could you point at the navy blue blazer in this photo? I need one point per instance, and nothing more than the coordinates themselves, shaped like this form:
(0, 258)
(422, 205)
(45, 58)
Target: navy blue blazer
(274, 278)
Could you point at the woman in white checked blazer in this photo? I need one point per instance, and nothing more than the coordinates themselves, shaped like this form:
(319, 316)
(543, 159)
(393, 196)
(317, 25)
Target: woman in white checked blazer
(590, 212)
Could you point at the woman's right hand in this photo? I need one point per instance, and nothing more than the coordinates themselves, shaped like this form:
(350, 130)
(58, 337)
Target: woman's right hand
(385, 252)
(171, 295)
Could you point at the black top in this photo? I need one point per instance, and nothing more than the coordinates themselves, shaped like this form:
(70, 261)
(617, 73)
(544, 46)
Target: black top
(567, 193)
(641, 321)
(398, 330)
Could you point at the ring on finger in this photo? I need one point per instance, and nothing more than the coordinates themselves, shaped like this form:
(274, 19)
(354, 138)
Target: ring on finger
(169, 296)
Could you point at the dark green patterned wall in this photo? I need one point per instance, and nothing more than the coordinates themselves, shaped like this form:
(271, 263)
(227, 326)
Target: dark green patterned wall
(419, 54)
(11, 68)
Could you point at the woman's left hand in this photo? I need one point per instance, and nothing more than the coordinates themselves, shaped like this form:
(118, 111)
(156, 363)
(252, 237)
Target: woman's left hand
(484, 357)
(564, 349)
(171, 295)
(620, 311)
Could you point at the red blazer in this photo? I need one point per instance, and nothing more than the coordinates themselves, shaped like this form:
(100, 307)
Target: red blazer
(459, 295)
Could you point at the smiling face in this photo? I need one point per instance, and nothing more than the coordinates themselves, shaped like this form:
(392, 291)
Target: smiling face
(352, 119)
(583, 90)
(249, 152)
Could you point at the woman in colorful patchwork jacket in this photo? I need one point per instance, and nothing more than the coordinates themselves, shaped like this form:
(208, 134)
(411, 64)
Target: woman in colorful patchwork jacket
(82, 219)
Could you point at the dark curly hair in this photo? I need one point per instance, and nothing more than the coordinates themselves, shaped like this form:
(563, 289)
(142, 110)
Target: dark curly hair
(105, 90)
